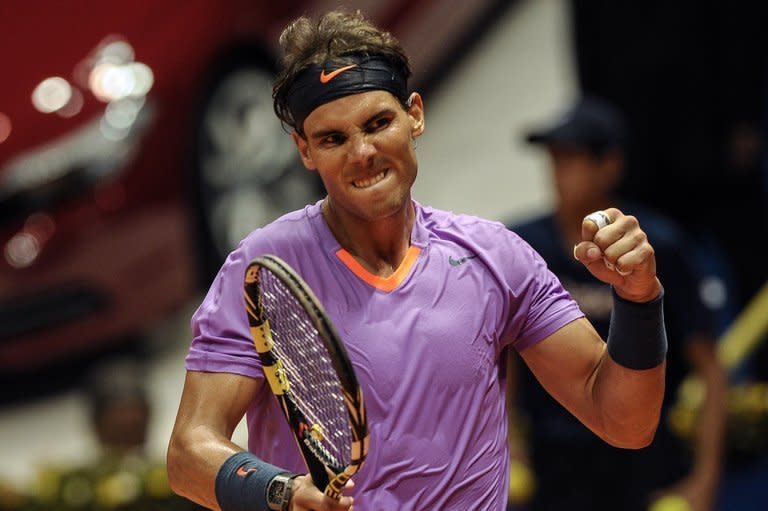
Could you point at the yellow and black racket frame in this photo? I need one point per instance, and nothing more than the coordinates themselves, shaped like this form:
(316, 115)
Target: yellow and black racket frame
(328, 474)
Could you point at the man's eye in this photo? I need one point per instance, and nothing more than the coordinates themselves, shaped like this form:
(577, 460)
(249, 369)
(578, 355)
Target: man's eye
(377, 124)
(333, 140)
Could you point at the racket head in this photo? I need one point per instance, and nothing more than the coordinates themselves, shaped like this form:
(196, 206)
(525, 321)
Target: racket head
(308, 370)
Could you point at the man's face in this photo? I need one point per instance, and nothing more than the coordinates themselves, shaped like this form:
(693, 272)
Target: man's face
(361, 145)
(582, 179)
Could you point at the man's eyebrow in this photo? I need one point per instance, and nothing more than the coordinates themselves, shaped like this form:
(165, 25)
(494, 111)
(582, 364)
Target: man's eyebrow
(325, 133)
(380, 113)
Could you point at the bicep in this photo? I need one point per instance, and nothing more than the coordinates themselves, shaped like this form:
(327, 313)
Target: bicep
(619, 404)
(566, 363)
(215, 400)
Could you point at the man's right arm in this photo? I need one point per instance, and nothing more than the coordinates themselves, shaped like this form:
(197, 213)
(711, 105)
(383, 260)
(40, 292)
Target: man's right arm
(212, 405)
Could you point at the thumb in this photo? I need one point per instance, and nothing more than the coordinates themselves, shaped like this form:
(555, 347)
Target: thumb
(590, 255)
(586, 252)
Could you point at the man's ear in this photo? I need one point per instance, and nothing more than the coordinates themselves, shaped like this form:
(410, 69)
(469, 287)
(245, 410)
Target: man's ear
(416, 113)
(303, 146)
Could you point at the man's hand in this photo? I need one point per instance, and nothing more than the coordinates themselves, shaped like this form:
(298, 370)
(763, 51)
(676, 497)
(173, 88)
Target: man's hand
(619, 254)
(306, 497)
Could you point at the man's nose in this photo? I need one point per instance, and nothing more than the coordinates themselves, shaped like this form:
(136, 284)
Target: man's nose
(361, 149)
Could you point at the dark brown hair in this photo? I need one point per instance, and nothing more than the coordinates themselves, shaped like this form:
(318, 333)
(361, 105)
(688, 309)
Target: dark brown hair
(335, 34)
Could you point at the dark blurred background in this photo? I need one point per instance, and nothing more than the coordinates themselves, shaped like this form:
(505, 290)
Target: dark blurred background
(691, 79)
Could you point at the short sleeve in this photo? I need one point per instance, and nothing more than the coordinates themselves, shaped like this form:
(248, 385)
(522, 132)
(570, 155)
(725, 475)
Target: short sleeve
(221, 339)
(537, 303)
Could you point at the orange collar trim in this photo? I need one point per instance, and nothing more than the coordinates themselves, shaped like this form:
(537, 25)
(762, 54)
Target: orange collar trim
(386, 284)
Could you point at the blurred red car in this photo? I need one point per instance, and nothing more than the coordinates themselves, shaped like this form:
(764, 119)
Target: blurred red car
(138, 144)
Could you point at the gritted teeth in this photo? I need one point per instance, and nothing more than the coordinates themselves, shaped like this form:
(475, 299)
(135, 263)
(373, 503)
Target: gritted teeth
(365, 183)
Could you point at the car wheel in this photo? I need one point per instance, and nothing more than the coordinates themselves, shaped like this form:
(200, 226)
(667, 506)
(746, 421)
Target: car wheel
(247, 168)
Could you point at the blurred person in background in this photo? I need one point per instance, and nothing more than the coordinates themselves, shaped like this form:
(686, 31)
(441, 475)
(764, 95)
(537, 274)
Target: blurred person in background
(690, 78)
(747, 470)
(573, 469)
(122, 476)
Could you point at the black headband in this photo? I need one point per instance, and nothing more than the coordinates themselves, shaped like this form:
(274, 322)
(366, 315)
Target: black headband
(318, 84)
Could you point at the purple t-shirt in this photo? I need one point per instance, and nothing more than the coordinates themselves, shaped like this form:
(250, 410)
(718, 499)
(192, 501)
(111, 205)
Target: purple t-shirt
(425, 344)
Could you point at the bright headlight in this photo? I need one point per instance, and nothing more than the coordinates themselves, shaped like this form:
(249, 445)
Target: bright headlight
(96, 150)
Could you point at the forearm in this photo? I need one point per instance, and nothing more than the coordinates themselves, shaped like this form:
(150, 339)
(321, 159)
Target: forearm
(618, 404)
(629, 381)
(194, 459)
(212, 405)
(627, 403)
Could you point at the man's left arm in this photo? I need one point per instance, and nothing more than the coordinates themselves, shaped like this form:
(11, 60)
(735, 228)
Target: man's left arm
(615, 388)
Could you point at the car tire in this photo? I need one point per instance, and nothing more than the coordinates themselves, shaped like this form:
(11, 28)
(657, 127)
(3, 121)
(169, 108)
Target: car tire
(246, 168)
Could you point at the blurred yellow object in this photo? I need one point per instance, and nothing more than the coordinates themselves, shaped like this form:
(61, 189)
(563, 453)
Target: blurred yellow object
(117, 489)
(741, 338)
(746, 418)
(157, 484)
(126, 482)
(671, 503)
(746, 332)
(522, 482)
(48, 484)
(747, 403)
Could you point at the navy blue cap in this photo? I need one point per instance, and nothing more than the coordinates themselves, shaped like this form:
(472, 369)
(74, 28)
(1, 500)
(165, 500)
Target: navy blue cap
(591, 123)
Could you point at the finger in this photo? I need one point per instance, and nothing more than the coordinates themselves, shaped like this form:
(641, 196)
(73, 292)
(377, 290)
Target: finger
(604, 228)
(344, 503)
(307, 496)
(621, 246)
(623, 271)
(590, 255)
(326, 504)
(602, 272)
(630, 251)
(600, 218)
(593, 222)
(594, 260)
(609, 235)
(586, 252)
(597, 221)
(640, 257)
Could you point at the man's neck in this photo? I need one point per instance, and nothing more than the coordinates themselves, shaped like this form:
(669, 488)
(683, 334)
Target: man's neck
(380, 245)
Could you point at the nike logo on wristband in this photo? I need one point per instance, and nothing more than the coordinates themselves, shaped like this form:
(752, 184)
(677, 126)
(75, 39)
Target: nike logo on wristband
(325, 78)
(242, 472)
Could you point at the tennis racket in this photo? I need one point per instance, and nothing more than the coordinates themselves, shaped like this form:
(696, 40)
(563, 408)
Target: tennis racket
(309, 372)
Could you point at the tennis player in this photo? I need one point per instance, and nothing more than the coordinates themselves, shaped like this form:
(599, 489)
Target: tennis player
(425, 301)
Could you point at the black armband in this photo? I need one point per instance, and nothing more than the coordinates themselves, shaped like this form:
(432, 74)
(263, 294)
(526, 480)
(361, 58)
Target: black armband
(242, 482)
(637, 338)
